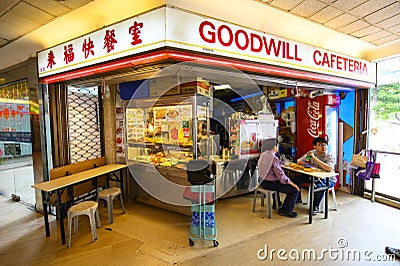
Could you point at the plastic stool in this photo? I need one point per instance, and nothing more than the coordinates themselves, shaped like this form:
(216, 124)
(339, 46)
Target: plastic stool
(268, 194)
(88, 208)
(108, 195)
(332, 189)
(322, 206)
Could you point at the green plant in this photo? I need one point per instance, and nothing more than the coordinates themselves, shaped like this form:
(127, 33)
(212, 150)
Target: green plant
(387, 99)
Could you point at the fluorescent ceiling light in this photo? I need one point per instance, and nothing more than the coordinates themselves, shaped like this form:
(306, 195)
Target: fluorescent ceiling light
(222, 87)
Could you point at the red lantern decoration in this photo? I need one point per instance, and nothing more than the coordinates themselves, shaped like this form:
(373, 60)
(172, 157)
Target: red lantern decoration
(6, 113)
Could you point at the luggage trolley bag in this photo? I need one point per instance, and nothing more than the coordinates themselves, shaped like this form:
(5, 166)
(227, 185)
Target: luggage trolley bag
(202, 190)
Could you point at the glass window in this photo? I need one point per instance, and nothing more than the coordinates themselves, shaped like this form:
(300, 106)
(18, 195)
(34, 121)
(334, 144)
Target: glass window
(384, 125)
(16, 163)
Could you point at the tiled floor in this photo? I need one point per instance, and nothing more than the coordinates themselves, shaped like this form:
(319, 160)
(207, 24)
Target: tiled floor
(151, 236)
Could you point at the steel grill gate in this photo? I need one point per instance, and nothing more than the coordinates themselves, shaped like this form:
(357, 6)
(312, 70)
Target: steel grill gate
(84, 123)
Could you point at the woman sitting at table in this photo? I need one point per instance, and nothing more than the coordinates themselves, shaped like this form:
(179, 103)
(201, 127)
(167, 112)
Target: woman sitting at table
(274, 178)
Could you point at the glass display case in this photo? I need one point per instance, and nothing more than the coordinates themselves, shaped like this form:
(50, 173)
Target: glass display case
(168, 131)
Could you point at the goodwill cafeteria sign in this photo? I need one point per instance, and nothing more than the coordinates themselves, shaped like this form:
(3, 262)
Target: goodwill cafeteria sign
(168, 27)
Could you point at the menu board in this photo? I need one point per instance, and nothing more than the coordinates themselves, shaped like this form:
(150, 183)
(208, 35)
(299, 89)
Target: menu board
(201, 112)
(135, 124)
(119, 117)
(173, 122)
(251, 134)
(172, 113)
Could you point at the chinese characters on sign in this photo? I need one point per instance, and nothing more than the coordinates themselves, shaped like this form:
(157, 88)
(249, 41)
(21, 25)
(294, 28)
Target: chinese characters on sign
(109, 40)
(135, 32)
(88, 45)
(50, 60)
(68, 54)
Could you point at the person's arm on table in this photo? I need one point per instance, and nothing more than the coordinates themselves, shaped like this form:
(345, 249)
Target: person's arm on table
(302, 159)
(281, 174)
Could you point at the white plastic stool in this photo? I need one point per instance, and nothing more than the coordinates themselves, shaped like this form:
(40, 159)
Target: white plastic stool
(322, 206)
(268, 194)
(88, 208)
(108, 195)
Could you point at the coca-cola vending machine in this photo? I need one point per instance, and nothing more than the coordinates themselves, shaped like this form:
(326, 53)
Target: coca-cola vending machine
(317, 116)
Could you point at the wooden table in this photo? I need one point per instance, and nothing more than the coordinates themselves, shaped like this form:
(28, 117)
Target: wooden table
(68, 182)
(315, 174)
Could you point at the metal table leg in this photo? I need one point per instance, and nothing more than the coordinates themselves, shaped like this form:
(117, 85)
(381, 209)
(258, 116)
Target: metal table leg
(45, 214)
(326, 197)
(311, 201)
(60, 217)
(373, 190)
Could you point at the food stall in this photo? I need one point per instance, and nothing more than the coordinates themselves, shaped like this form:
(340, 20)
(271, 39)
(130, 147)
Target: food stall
(164, 133)
(173, 120)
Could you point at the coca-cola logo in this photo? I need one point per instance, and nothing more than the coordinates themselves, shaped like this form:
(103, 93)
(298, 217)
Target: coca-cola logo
(313, 112)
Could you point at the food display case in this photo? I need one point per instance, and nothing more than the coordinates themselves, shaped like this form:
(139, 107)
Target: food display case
(162, 136)
(169, 131)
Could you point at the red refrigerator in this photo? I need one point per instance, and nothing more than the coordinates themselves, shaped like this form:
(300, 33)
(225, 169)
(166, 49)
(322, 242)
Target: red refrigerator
(317, 116)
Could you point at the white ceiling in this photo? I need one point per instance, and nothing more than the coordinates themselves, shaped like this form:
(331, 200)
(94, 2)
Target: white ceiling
(373, 21)
(20, 17)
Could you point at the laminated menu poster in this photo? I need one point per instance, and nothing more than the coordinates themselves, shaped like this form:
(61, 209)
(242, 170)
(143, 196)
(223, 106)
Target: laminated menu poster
(249, 136)
(173, 122)
(167, 114)
(135, 125)
(201, 112)
(252, 132)
(119, 117)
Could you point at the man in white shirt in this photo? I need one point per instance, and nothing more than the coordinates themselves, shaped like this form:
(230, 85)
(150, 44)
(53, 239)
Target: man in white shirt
(320, 158)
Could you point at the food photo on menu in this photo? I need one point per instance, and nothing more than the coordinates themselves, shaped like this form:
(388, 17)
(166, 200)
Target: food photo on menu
(173, 114)
(159, 113)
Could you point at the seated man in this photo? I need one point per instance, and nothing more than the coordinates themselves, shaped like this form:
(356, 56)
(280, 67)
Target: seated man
(320, 158)
(274, 178)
